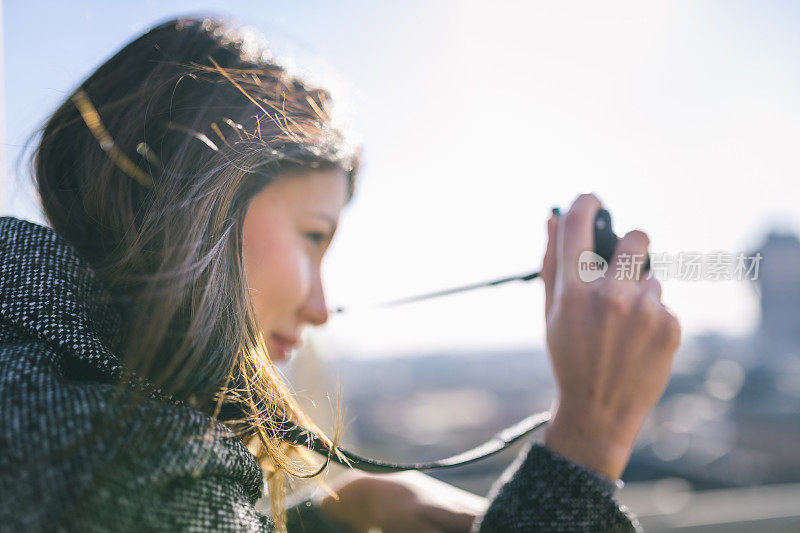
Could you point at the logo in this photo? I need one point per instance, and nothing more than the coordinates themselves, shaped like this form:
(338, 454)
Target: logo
(591, 266)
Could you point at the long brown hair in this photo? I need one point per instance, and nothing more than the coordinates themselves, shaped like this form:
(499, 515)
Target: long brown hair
(148, 169)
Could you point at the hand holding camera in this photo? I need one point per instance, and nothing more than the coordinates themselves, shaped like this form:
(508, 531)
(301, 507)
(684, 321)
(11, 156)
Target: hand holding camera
(611, 342)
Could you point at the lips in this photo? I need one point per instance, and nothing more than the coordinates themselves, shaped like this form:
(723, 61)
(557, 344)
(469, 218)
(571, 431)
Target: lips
(284, 344)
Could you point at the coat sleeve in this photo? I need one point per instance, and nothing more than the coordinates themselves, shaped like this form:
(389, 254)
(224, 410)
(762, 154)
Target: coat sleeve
(544, 491)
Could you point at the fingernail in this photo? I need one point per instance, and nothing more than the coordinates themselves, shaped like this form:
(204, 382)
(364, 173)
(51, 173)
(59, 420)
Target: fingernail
(556, 211)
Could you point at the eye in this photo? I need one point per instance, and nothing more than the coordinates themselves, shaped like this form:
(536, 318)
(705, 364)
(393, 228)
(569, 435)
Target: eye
(316, 237)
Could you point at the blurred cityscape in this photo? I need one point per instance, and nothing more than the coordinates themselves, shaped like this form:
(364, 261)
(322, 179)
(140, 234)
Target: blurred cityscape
(720, 452)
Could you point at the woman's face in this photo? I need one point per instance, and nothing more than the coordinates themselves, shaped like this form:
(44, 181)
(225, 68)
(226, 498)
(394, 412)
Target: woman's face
(287, 230)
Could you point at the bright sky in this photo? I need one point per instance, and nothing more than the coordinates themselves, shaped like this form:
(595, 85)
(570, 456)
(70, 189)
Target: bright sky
(477, 117)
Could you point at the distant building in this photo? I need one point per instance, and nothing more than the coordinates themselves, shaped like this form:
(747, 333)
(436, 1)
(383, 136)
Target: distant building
(779, 286)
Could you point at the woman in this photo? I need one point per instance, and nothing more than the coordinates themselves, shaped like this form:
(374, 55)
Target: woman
(193, 187)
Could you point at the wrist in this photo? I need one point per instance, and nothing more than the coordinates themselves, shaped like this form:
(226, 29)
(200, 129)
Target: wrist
(590, 442)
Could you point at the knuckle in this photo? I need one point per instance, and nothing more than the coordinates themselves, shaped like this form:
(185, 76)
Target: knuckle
(571, 293)
(652, 287)
(675, 329)
(547, 271)
(671, 329)
(544, 271)
(613, 302)
(648, 310)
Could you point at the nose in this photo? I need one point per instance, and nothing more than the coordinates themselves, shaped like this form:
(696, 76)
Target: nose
(315, 310)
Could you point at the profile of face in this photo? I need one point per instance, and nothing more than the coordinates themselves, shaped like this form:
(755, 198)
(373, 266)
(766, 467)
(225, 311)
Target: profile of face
(287, 230)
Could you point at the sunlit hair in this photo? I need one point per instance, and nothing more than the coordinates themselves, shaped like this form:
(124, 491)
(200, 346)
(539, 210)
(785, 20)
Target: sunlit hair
(148, 168)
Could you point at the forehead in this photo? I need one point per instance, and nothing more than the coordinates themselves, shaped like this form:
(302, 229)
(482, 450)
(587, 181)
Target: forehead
(320, 190)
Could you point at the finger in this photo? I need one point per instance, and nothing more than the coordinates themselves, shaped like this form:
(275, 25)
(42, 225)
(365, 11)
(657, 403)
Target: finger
(652, 288)
(629, 258)
(576, 235)
(548, 270)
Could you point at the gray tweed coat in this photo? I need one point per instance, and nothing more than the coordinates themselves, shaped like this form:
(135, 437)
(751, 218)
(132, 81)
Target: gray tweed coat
(75, 456)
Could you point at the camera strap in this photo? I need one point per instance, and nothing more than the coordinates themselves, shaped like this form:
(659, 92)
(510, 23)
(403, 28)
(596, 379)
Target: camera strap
(300, 436)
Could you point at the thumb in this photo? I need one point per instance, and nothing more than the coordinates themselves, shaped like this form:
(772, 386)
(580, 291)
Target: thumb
(548, 271)
(447, 520)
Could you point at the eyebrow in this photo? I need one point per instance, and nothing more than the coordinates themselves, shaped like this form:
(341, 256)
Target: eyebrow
(330, 220)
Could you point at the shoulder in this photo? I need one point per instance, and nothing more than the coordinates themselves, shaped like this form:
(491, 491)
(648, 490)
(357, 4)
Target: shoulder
(83, 444)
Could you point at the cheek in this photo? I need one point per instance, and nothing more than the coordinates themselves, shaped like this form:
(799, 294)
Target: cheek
(277, 275)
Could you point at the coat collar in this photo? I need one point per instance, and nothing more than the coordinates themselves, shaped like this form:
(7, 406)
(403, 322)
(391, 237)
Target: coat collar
(49, 292)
